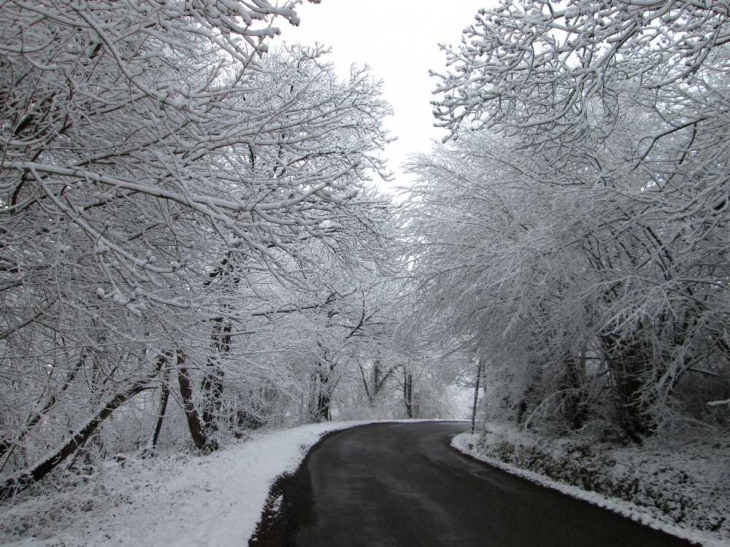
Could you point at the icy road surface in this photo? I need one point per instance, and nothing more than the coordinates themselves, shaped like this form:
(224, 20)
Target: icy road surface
(403, 485)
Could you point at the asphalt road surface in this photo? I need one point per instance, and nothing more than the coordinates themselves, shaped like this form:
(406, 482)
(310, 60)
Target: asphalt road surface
(403, 485)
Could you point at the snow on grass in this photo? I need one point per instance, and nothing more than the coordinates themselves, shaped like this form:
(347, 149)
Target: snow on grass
(631, 461)
(179, 500)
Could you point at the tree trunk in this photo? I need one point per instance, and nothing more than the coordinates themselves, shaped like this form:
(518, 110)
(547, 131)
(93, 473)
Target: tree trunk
(371, 399)
(529, 400)
(36, 473)
(323, 410)
(212, 386)
(324, 403)
(164, 397)
(408, 392)
(476, 395)
(98, 359)
(197, 433)
(376, 378)
(628, 362)
(35, 418)
(575, 407)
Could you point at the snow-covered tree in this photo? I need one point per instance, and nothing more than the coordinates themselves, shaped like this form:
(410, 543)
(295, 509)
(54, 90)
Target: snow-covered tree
(160, 169)
(575, 227)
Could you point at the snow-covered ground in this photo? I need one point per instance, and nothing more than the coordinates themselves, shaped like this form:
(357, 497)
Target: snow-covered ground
(187, 500)
(172, 499)
(681, 488)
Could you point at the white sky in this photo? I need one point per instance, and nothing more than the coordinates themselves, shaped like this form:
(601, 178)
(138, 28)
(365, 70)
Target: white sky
(399, 40)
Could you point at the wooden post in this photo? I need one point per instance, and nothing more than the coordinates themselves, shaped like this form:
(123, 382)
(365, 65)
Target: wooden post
(476, 395)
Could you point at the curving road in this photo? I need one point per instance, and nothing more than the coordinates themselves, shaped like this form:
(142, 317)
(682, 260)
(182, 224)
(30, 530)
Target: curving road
(403, 485)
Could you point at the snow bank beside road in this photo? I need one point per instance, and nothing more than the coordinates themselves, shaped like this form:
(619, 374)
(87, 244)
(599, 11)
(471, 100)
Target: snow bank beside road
(186, 501)
(643, 475)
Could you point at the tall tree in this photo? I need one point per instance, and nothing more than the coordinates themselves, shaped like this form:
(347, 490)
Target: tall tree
(146, 146)
(587, 204)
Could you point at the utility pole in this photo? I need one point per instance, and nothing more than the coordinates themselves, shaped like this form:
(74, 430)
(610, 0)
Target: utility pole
(476, 395)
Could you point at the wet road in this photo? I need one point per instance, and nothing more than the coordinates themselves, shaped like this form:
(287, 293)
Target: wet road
(403, 485)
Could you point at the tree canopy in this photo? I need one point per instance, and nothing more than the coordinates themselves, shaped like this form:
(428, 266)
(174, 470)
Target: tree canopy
(573, 230)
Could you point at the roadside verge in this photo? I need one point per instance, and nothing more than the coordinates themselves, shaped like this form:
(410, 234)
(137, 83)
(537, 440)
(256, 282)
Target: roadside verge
(683, 492)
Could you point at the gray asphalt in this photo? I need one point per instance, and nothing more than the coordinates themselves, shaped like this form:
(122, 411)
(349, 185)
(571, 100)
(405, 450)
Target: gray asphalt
(403, 485)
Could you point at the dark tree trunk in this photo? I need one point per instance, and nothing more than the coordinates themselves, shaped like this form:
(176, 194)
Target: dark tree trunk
(371, 399)
(629, 362)
(324, 399)
(212, 385)
(324, 412)
(197, 432)
(529, 401)
(164, 397)
(379, 380)
(408, 392)
(97, 374)
(78, 438)
(476, 395)
(247, 421)
(575, 407)
(377, 372)
(35, 418)
(211, 399)
(323, 409)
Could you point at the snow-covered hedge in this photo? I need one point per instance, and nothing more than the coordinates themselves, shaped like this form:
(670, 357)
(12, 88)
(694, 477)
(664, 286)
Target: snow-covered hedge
(684, 483)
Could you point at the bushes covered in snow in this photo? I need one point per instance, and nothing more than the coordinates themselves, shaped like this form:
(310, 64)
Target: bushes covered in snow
(685, 482)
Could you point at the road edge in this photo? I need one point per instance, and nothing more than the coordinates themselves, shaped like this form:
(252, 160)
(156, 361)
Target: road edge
(461, 444)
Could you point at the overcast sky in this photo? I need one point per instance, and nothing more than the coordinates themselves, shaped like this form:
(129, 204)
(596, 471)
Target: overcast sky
(399, 40)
